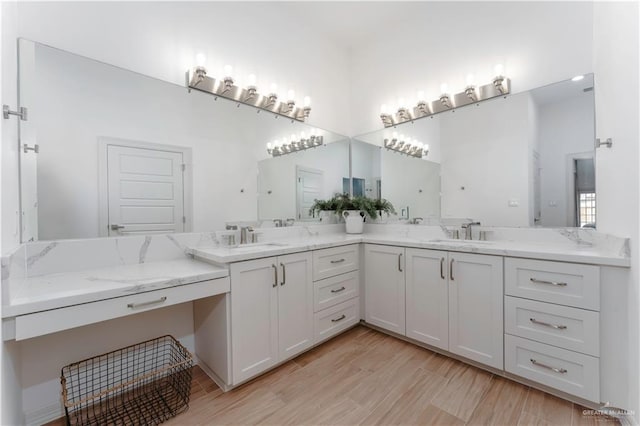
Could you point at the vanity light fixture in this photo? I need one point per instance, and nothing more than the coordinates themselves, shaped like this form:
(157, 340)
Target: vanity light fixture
(198, 79)
(406, 146)
(294, 144)
(472, 94)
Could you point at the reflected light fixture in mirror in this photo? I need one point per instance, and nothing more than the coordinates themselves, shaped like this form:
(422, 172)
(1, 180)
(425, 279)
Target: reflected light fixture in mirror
(499, 86)
(406, 146)
(295, 143)
(198, 79)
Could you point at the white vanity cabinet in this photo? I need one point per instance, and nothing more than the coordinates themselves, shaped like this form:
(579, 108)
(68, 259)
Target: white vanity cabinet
(552, 324)
(271, 312)
(384, 287)
(454, 302)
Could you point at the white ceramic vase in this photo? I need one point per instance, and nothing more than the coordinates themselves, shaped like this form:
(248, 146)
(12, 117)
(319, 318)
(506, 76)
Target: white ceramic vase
(328, 216)
(354, 220)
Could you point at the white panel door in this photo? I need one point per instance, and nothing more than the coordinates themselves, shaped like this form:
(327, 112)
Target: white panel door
(254, 317)
(145, 190)
(384, 287)
(475, 307)
(427, 297)
(295, 304)
(309, 188)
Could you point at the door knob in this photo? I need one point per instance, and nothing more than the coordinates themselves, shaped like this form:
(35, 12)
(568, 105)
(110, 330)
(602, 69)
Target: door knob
(116, 227)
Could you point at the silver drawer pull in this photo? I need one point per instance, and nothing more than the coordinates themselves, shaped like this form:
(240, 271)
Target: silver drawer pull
(337, 261)
(152, 302)
(556, 283)
(546, 324)
(343, 316)
(539, 364)
(338, 290)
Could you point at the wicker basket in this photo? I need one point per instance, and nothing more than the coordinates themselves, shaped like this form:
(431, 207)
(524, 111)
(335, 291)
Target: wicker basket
(142, 384)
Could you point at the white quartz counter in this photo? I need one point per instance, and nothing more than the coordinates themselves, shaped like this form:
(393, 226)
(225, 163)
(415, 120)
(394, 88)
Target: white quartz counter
(578, 252)
(57, 290)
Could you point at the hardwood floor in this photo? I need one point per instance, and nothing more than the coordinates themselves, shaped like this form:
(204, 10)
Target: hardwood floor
(366, 377)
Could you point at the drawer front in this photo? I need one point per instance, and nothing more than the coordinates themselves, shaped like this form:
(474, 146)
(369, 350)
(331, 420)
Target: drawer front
(568, 284)
(334, 290)
(335, 261)
(569, 328)
(570, 372)
(336, 319)
(46, 322)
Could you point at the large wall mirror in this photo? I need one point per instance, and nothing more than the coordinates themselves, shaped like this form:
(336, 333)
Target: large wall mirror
(521, 160)
(112, 144)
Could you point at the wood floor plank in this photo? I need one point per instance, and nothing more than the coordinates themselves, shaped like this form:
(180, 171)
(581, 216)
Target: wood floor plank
(548, 407)
(501, 404)
(463, 392)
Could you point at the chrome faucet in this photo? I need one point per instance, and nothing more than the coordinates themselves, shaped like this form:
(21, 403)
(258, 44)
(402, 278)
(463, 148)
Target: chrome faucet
(245, 231)
(468, 234)
(278, 223)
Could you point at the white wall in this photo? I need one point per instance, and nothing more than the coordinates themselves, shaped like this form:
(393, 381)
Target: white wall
(538, 43)
(615, 63)
(564, 128)
(485, 162)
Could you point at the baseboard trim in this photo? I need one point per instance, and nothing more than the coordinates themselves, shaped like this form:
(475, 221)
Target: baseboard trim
(44, 415)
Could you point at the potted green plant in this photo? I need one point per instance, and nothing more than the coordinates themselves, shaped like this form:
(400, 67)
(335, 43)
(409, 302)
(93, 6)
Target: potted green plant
(353, 209)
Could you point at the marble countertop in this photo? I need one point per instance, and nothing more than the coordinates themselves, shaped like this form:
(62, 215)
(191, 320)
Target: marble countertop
(57, 290)
(577, 252)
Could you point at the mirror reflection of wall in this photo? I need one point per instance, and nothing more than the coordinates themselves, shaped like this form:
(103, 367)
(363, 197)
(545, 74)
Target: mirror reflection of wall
(289, 184)
(112, 143)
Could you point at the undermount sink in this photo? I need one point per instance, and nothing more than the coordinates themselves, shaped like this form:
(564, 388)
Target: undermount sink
(454, 241)
(258, 246)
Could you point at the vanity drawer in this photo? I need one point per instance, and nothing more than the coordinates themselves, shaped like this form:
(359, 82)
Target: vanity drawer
(334, 290)
(333, 320)
(562, 326)
(568, 284)
(46, 322)
(570, 372)
(334, 261)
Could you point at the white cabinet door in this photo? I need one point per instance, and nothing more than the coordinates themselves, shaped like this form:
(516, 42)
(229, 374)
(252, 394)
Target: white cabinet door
(254, 317)
(427, 298)
(295, 304)
(475, 307)
(384, 287)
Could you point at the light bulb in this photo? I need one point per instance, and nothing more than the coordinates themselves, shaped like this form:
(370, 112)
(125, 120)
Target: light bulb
(425, 147)
(303, 135)
(291, 94)
(419, 145)
(444, 88)
(394, 135)
(384, 109)
(400, 103)
(251, 80)
(269, 145)
(201, 59)
(306, 102)
(293, 137)
(228, 70)
(421, 97)
(401, 137)
(273, 88)
(471, 80)
(284, 142)
(498, 69)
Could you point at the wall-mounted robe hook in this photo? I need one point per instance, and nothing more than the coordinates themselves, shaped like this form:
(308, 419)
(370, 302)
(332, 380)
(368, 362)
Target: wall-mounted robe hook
(608, 143)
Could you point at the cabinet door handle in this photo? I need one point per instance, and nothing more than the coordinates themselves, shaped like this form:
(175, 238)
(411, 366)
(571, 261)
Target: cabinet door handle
(275, 275)
(451, 269)
(400, 262)
(151, 302)
(548, 367)
(338, 290)
(284, 275)
(442, 268)
(337, 261)
(340, 318)
(546, 324)
(556, 283)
